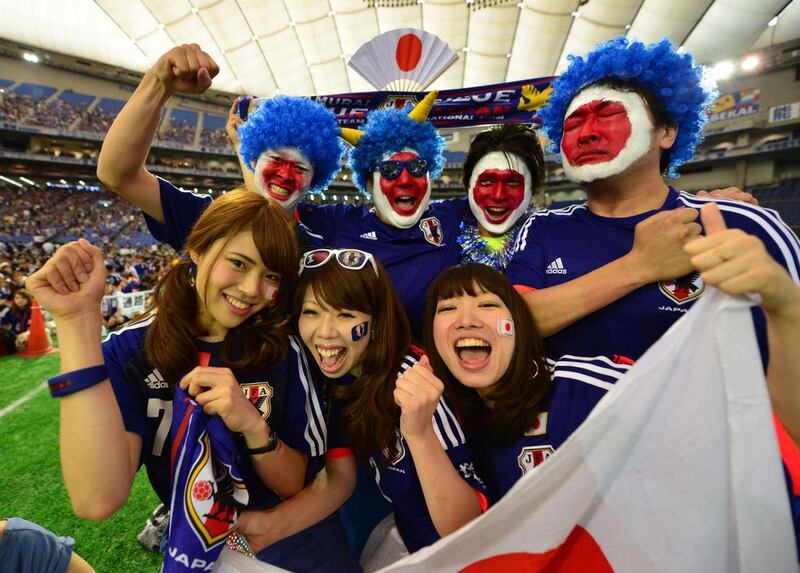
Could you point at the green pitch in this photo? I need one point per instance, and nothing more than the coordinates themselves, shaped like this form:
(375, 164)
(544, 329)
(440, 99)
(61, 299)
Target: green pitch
(30, 474)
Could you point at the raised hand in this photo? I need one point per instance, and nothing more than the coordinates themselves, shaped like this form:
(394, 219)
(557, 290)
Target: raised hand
(657, 253)
(233, 123)
(218, 393)
(417, 392)
(738, 263)
(71, 282)
(185, 69)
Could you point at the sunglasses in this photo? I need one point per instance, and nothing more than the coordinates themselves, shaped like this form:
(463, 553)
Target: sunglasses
(392, 168)
(352, 259)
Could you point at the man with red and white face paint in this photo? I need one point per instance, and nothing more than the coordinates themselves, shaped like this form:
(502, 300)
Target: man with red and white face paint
(401, 188)
(283, 174)
(499, 191)
(605, 131)
(611, 275)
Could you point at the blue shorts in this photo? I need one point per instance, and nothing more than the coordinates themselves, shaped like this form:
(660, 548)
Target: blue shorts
(29, 548)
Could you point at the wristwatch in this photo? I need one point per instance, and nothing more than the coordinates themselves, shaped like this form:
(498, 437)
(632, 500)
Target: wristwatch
(272, 443)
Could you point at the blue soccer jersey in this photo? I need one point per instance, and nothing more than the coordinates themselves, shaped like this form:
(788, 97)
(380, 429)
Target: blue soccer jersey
(557, 246)
(578, 385)
(412, 257)
(397, 477)
(288, 400)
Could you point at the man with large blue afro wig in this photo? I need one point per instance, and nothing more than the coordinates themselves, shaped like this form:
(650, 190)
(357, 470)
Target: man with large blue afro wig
(292, 145)
(607, 277)
(670, 83)
(395, 158)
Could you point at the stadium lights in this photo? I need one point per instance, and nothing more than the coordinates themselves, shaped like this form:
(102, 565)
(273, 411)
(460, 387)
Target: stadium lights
(750, 63)
(772, 23)
(81, 182)
(62, 181)
(9, 180)
(26, 180)
(722, 71)
(32, 58)
(576, 14)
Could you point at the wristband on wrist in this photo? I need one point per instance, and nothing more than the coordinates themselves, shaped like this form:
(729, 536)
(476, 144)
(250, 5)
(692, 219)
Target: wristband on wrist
(77, 380)
(272, 443)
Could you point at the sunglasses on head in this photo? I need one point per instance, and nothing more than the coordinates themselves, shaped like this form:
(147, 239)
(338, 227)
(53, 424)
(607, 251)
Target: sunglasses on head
(352, 259)
(392, 168)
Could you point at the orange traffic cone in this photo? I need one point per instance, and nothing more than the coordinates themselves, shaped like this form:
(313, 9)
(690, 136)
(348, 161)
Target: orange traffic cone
(38, 341)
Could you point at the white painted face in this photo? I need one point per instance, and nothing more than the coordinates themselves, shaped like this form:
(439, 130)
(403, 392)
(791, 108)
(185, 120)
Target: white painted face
(499, 191)
(284, 175)
(400, 202)
(605, 132)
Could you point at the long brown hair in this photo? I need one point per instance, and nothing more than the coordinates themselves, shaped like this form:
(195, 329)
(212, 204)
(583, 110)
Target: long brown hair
(514, 399)
(368, 417)
(261, 340)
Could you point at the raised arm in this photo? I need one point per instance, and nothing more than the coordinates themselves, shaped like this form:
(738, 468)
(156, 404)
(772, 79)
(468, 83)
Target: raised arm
(121, 164)
(329, 490)
(738, 263)
(98, 457)
(657, 254)
(451, 501)
(232, 129)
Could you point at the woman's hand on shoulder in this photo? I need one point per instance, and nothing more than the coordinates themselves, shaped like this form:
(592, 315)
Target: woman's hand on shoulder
(738, 263)
(417, 392)
(217, 391)
(72, 282)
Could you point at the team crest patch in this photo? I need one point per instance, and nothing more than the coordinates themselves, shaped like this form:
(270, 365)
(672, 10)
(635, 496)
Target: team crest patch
(432, 229)
(214, 497)
(539, 427)
(683, 289)
(260, 395)
(399, 447)
(531, 457)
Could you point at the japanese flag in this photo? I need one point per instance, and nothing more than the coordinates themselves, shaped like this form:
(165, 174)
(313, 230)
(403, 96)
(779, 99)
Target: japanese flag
(677, 469)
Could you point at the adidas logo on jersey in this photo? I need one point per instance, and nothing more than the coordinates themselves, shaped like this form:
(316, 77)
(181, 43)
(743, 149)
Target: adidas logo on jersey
(372, 236)
(155, 381)
(556, 268)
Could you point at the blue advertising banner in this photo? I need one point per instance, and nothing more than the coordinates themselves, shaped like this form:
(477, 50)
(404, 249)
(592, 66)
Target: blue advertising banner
(511, 102)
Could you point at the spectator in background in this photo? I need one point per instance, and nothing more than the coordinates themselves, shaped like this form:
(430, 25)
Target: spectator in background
(16, 321)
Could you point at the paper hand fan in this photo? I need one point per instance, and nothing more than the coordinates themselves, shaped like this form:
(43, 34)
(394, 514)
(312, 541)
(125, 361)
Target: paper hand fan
(405, 59)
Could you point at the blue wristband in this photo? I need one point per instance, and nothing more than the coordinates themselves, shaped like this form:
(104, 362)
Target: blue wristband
(77, 380)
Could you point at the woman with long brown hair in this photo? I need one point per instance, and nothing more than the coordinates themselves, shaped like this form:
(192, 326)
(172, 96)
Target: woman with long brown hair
(385, 405)
(217, 333)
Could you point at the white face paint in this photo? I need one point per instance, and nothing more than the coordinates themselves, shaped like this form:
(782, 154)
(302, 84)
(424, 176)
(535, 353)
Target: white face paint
(403, 185)
(637, 144)
(284, 175)
(497, 198)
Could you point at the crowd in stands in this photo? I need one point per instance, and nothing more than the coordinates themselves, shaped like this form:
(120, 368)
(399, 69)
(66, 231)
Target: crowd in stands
(216, 138)
(95, 120)
(177, 131)
(14, 107)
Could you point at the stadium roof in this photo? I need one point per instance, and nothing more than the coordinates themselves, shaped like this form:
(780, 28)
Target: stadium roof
(301, 46)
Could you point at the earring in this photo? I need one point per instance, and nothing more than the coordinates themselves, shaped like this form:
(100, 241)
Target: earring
(192, 271)
(535, 374)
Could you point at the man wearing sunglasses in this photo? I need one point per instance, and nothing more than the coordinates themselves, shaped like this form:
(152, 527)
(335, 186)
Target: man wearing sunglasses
(394, 160)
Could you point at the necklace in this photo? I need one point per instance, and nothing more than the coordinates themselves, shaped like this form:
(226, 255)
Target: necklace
(476, 249)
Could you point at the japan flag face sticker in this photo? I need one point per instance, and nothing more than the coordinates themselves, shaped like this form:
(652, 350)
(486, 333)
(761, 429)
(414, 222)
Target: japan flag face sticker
(505, 326)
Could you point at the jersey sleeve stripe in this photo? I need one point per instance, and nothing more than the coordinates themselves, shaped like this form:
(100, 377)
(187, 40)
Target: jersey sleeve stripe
(583, 378)
(316, 430)
(451, 420)
(770, 222)
(588, 369)
(602, 361)
(444, 428)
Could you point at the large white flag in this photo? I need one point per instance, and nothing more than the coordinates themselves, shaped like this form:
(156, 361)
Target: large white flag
(677, 469)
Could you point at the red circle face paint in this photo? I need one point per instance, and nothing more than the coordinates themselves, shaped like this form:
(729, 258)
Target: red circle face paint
(498, 193)
(281, 177)
(595, 132)
(406, 193)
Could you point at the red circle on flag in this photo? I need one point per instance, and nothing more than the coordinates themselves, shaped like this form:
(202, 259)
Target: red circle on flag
(508, 327)
(408, 52)
(578, 554)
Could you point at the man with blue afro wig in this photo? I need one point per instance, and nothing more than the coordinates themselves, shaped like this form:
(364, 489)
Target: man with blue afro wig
(292, 145)
(395, 158)
(608, 277)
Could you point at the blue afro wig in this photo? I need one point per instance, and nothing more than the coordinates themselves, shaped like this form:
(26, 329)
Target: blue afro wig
(671, 77)
(392, 131)
(286, 121)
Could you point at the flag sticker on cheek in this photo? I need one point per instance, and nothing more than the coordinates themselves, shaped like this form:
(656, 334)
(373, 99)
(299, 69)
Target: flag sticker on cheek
(272, 293)
(359, 331)
(505, 326)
